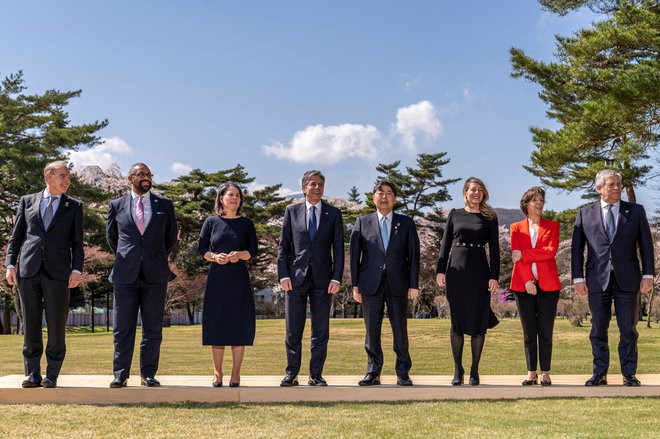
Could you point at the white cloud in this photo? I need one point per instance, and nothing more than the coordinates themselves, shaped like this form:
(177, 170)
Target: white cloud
(416, 119)
(181, 168)
(329, 144)
(103, 155)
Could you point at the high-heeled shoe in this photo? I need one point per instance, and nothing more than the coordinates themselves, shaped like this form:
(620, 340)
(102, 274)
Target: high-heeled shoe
(216, 383)
(546, 381)
(459, 378)
(234, 383)
(533, 382)
(474, 379)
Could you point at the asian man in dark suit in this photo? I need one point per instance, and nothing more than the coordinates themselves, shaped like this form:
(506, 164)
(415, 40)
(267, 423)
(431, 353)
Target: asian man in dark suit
(310, 263)
(141, 231)
(384, 259)
(45, 257)
(613, 231)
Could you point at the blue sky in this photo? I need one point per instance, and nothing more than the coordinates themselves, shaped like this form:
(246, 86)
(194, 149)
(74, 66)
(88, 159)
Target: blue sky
(285, 86)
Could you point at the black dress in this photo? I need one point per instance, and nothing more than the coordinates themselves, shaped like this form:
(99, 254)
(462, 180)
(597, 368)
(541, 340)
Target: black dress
(228, 318)
(467, 270)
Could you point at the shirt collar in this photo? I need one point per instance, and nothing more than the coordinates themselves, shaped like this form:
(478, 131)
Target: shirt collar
(317, 205)
(603, 204)
(389, 216)
(48, 195)
(145, 195)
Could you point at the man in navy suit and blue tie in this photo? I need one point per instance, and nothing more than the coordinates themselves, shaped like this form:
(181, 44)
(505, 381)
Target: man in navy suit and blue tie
(384, 258)
(310, 264)
(45, 257)
(141, 231)
(613, 231)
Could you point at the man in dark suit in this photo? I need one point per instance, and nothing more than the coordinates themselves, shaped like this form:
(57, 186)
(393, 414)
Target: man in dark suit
(310, 263)
(384, 258)
(613, 231)
(47, 244)
(141, 231)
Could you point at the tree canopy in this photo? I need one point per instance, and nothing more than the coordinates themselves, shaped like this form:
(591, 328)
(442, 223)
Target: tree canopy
(603, 91)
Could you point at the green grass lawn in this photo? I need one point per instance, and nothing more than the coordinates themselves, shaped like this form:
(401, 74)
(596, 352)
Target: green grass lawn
(182, 353)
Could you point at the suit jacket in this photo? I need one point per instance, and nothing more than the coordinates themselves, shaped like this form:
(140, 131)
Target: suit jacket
(60, 248)
(134, 251)
(632, 232)
(297, 252)
(543, 255)
(368, 255)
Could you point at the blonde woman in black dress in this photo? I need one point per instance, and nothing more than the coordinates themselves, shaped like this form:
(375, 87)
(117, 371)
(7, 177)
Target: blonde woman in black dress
(469, 276)
(228, 240)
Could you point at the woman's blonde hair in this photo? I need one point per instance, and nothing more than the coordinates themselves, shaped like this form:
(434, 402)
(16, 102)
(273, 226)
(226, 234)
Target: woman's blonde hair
(484, 208)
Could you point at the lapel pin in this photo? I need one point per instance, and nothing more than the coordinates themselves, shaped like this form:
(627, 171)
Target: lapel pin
(66, 204)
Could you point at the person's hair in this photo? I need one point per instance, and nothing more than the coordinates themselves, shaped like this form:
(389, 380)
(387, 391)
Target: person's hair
(136, 165)
(309, 174)
(222, 190)
(380, 183)
(602, 175)
(484, 208)
(52, 166)
(529, 195)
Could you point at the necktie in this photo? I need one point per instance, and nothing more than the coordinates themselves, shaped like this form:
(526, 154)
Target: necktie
(383, 232)
(610, 226)
(48, 215)
(311, 229)
(139, 215)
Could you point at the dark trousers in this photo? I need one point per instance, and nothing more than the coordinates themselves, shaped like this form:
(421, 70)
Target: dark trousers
(38, 293)
(295, 311)
(626, 306)
(537, 316)
(397, 311)
(149, 299)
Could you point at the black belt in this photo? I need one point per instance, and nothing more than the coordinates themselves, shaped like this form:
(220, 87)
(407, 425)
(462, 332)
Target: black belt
(469, 244)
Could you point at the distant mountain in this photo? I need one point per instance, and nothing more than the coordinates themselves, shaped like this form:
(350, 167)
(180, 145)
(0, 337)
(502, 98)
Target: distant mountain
(506, 217)
(110, 180)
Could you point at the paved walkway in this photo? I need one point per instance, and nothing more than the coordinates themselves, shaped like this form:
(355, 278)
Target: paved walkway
(93, 389)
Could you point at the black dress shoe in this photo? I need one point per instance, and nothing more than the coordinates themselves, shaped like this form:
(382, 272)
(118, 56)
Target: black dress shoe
(533, 382)
(149, 382)
(119, 382)
(317, 380)
(631, 381)
(474, 379)
(459, 377)
(289, 380)
(403, 380)
(597, 379)
(32, 381)
(49, 382)
(370, 379)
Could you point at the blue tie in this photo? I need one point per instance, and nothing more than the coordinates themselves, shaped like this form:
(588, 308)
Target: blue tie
(610, 226)
(311, 229)
(383, 232)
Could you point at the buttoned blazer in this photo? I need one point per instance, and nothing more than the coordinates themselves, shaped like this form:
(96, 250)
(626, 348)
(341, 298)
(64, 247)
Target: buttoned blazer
(547, 242)
(59, 248)
(134, 251)
(297, 252)
(368, 255)
(632, 234)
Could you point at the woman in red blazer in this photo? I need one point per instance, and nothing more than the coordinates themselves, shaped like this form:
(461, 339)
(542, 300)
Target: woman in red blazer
(535, 282)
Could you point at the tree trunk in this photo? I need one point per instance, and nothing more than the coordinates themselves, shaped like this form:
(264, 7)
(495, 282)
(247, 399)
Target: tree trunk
(630, 193)
(191, 312)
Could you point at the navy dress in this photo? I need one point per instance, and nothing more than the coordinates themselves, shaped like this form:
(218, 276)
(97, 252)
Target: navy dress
(228, 318)
(467, 270)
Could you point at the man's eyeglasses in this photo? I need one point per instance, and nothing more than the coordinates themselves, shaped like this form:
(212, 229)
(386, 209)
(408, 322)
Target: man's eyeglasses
(143, 174)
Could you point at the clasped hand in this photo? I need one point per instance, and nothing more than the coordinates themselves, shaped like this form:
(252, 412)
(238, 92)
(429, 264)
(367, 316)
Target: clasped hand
(224, 258)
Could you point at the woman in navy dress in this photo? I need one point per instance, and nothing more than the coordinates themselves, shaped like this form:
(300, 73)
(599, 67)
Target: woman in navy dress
(227, 240)
(470, 277)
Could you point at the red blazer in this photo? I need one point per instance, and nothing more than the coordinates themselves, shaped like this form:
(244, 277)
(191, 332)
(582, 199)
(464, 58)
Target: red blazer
(544, 255)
